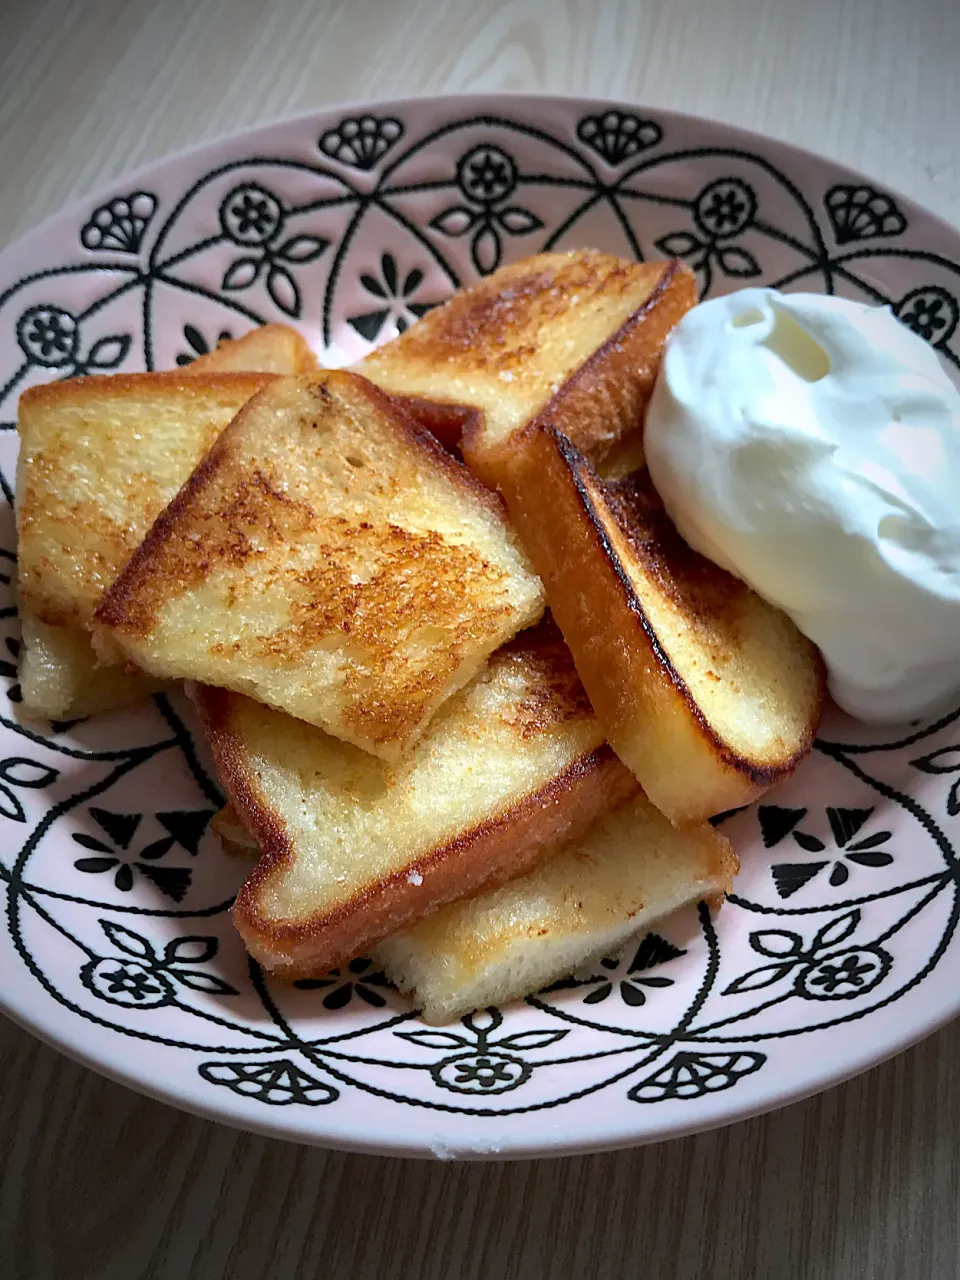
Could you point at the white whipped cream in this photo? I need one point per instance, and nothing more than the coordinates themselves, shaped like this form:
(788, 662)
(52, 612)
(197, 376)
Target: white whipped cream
(811, 446)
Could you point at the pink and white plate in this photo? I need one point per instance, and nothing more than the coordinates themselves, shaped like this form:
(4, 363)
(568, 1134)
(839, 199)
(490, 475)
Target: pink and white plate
(839, 946)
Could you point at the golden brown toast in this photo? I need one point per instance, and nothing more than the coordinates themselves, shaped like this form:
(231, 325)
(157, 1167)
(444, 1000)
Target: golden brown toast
(273, 348)
(628, 870)
(354, 848)
(228, 827)
(329, 559)
(573, 339)
(707, 692)
(99, 460)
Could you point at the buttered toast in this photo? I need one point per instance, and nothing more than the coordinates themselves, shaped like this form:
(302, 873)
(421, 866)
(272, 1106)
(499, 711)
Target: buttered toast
(353, 848)
(602, 889)
(573, 339)
(100, 458)
(273, 348)
(329, 559)
(707, 692)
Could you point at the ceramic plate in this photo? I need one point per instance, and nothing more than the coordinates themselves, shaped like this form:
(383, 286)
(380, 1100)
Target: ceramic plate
(839, 945)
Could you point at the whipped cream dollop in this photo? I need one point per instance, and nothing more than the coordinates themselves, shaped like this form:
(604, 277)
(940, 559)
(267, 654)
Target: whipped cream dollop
(811, 446)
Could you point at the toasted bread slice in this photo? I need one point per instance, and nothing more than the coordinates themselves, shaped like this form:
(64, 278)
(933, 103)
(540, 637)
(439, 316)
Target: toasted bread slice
(573, 339)
(233, 835)
(99, 460)
(707, 692)
(629, 869)
(354, 848)
(60, 675)
(273, 348)
(329, 559)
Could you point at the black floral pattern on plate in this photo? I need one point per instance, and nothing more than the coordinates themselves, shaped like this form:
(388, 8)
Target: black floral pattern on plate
(722, 211)
(862, 213)
(255, 219)
(777, 822)
(144, 977)
(120, 224)
(49, 337)
(482, 1061)
(109, 855)
(359, 978)
(932, 311)
(617, 136)
(396, 297)
(361, 141)
(198, 344)
(821, 969)
(652, 951)
(487, 176)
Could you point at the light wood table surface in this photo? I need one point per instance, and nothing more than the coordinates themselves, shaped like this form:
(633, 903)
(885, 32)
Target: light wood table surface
(98, 1183)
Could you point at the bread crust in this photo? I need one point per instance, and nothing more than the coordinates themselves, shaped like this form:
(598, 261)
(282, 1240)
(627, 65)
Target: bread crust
(503, 845)
(650, 716)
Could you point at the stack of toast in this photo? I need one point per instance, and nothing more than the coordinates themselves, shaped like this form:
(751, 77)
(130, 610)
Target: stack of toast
(470, 696)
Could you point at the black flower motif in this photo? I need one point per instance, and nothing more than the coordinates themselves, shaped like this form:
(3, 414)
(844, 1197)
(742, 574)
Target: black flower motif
(120, 225)
(819, 971)
(932, 312)
(845, 974)
(861, 213)
(10, 669)
(481, 1062)
(146, 978)
(396, 296)
(617, 135)
(251, 215)
(183, 827)
(653, 950)
(776, 823)
(49, 336)
(693, 1075)
(486, 176)
(360, 141)
(278, 1082)
(725, 208)
(198, 344)
(356, 980)
(17, 772)
(482, 1073)
(126, 982)
(944, 761)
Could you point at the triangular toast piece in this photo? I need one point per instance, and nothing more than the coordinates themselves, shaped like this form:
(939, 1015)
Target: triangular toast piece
(99, 460)
(327, 558)
(354, 848)
(707, 692)
(573, 339)
(585, 902)
(273, 348)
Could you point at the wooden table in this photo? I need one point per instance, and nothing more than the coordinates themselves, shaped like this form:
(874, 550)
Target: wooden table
(97, 1182)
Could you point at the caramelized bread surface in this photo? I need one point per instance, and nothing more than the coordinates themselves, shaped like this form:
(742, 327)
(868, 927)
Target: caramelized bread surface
(100, 458)
(328, 559)
(628, 870)
(354, 848)
(570, 338)
(273, 348)
(708, 693)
